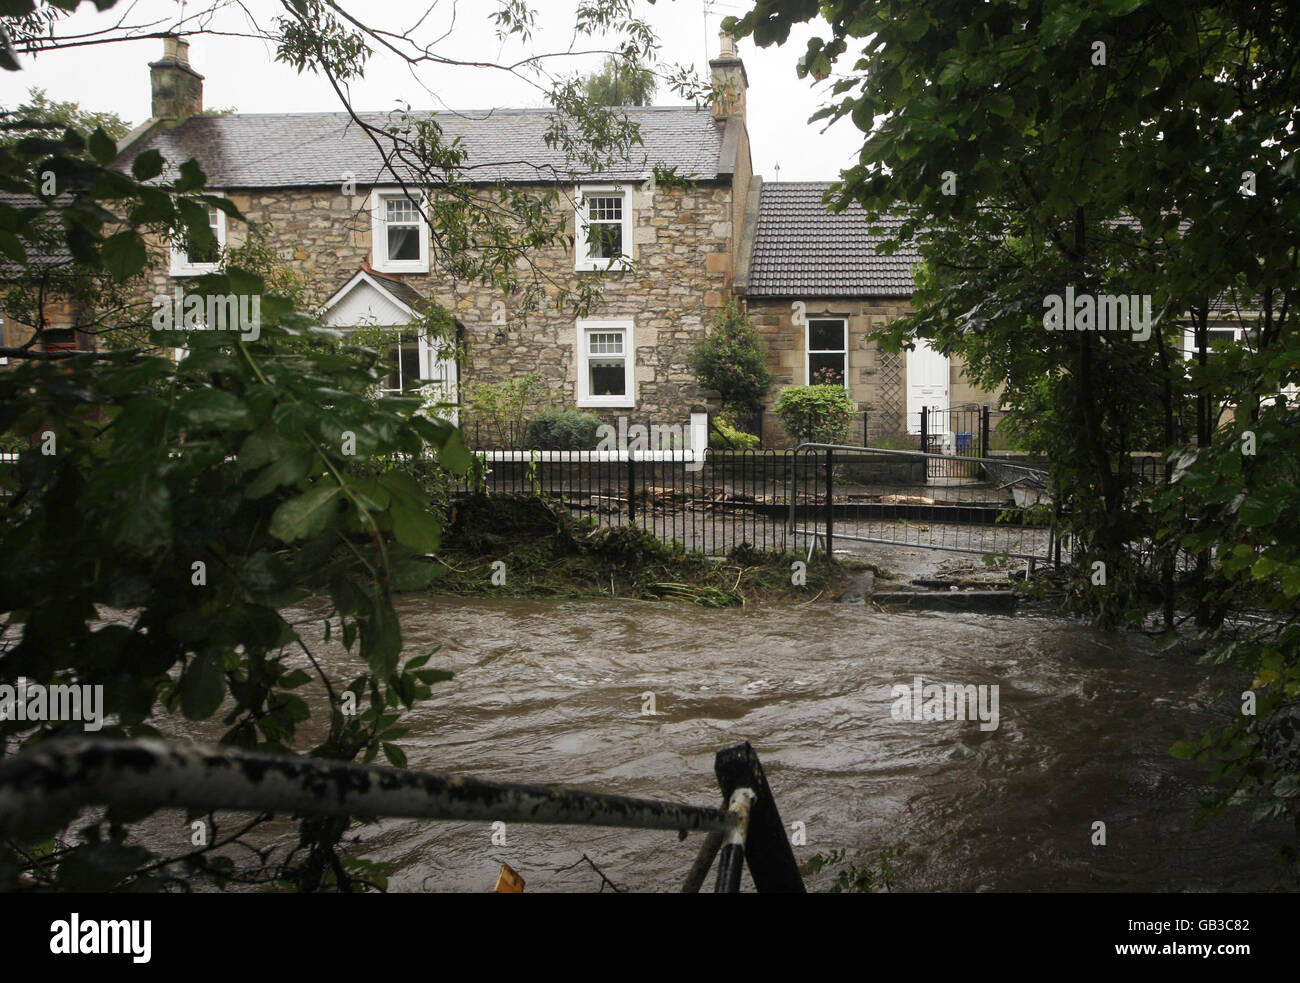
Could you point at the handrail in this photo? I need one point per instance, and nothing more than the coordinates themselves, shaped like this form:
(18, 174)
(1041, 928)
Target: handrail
(52, 780)
(830, 504)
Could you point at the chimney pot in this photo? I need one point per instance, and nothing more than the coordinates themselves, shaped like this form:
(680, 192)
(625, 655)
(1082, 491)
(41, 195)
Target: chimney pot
(729, 72)
(177, 89)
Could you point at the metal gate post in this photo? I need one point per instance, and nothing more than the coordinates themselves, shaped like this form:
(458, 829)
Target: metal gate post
(925, 440)
(631, 490)
(830, 503)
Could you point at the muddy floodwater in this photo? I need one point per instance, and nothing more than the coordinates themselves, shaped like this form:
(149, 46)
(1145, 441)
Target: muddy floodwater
(548, 692)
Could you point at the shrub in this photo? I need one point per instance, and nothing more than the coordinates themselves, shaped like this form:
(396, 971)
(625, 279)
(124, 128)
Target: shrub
(498, 410)
(726, 437)
(730, 359)
(816, 413)
(563, 430)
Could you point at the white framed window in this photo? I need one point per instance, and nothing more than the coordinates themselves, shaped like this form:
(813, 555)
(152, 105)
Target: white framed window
(188, 261)
(406, 360)
(606, 364)
(1221, 336)
(4, 339)
(399, 235)
(602, 237)
(826, 351)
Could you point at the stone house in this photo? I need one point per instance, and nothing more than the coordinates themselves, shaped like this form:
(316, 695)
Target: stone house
(815, 288)
(364, 247)
(330, 205)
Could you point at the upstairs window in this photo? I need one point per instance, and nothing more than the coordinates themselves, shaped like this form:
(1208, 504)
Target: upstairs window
(398, 233)
(191, 259)
(603, 228)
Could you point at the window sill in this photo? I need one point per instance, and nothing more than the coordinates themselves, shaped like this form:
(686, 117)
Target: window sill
(607, 402)
(410, 266)
(603, 266)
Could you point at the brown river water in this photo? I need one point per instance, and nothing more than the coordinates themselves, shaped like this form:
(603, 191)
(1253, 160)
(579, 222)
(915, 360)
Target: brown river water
(552, 692)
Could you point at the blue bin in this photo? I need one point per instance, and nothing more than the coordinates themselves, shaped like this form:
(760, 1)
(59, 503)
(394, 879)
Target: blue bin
(963, 443)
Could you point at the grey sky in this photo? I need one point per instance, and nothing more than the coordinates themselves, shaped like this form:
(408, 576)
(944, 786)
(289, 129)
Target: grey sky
(241, 72)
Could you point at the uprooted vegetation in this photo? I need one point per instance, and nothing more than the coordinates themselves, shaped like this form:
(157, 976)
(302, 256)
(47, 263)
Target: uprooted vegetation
(549, 553)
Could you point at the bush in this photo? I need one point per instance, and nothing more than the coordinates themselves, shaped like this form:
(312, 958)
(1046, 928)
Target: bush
(563, 430)
(727, 438)
(816, 413)
(731, 360)
(498, 410)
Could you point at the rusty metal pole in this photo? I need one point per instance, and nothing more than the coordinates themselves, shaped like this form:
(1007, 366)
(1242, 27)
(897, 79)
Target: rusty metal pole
(52, 780)
(731, 861)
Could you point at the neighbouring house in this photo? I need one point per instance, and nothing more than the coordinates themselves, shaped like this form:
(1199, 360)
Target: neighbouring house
(36, 309)
(815, 288)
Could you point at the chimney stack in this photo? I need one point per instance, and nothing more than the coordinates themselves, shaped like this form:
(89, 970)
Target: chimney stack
(729, 70)
(177, 88)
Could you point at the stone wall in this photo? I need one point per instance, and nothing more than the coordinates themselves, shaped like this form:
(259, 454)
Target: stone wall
(683, 245)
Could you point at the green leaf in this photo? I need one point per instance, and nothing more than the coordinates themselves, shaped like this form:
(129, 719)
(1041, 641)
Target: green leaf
(102, 147)
(191, 177)
(417, 529)
(395, 755)
(213, 408)
(306, 515)
(147, 165)
(13, 247)
(1263, 568)
(1002, 104)
(124, 255)
(1260, 512)
(287, 470)
(454, 455)
(202, 686)
(381, 639)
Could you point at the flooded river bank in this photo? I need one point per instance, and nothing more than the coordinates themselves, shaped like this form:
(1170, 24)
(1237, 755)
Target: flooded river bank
(549, 692)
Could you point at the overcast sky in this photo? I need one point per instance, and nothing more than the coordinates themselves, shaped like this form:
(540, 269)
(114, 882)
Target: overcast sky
(241, 72)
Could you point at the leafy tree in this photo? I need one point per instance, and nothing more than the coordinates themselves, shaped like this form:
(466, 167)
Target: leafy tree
(41, 109)
(1129, 146)
(730, 359)
(620, 82)
(198, 498)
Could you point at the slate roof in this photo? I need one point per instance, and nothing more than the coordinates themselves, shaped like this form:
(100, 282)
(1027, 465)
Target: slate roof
(802, 250)
(286, 150)
(45, 253)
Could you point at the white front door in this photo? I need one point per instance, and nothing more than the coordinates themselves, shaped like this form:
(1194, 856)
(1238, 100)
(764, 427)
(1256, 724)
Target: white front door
(927, 385)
